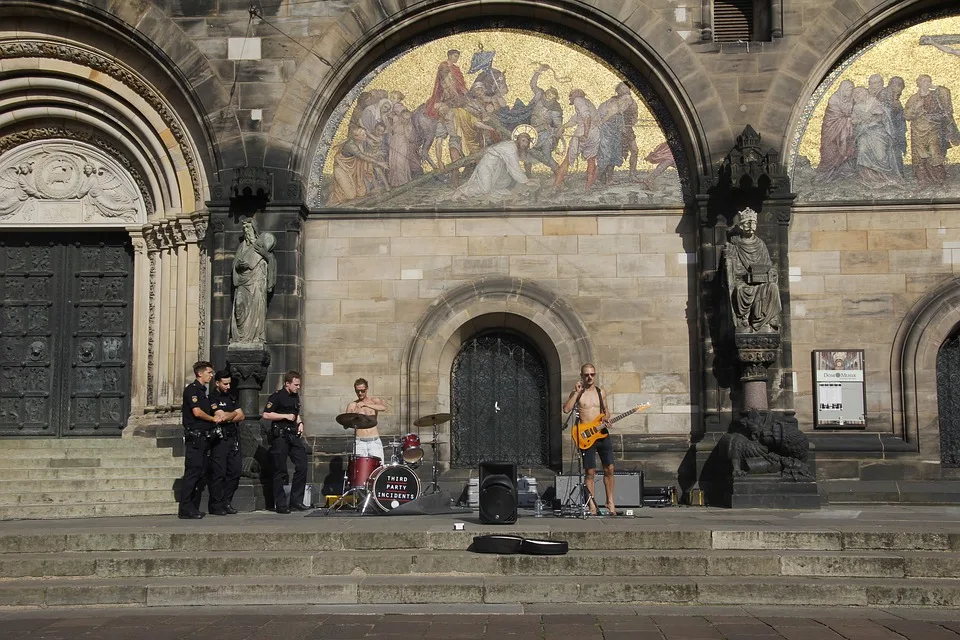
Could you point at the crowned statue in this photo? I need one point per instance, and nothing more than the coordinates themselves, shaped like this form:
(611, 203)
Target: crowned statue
(751, 279)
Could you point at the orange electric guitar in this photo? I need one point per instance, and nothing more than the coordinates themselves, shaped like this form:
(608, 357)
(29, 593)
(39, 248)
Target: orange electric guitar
(586, 433)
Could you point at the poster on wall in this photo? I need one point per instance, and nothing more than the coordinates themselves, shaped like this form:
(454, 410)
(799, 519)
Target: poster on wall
(839, 391)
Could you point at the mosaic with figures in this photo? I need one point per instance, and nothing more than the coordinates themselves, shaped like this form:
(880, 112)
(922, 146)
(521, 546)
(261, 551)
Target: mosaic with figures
(882, 125)
(502, 118)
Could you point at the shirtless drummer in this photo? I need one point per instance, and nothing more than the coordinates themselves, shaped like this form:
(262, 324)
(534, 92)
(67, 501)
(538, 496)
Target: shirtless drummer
(368, 440)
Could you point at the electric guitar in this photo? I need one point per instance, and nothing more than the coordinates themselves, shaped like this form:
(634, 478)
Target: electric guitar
(586, 433)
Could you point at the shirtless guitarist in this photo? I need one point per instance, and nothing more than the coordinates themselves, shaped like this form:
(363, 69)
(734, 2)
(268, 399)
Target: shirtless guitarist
(591, 401)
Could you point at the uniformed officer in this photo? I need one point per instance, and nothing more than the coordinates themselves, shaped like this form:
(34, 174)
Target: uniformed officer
(283, 410)
(225, 458)
(198, 419)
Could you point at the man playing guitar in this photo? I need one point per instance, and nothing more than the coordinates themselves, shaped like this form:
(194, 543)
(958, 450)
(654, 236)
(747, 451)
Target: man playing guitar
(591, 401)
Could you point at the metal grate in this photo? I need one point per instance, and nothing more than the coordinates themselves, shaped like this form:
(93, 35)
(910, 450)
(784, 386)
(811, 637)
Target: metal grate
(948, 401)
(733, 21)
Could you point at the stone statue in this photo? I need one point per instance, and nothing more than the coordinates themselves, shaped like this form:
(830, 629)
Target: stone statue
(751, 279)
(105, 192)
(254, 276)
(757, 443)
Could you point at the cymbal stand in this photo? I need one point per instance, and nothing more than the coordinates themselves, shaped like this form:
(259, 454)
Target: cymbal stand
(434, 486)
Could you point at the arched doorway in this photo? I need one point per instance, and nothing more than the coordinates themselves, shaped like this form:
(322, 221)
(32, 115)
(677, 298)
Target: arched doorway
(500, 401)
(948, 400)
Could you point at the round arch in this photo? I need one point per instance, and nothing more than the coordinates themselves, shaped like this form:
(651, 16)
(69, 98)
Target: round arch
(913, 365)
(684, 98)
(519, 305)
(814, 56)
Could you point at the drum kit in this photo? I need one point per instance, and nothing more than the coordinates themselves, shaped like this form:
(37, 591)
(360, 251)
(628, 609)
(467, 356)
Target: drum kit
(371, 483)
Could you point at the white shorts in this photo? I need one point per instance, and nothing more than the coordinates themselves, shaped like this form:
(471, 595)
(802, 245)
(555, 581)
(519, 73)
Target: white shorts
(370, 447)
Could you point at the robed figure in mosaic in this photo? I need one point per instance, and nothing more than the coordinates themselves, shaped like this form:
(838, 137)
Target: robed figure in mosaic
(751, 279)
(254, 276)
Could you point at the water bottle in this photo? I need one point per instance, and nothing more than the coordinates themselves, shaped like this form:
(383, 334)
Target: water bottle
(538, 509)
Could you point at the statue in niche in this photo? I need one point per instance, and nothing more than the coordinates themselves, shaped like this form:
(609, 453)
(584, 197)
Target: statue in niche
(254, 277)
(751, 279)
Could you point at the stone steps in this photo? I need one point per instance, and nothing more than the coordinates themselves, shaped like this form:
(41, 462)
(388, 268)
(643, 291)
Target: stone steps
(912, 565)
(86, 477)
(58, 497)
(66, 474)
(131, 481)
(635, 590)
(100, 510)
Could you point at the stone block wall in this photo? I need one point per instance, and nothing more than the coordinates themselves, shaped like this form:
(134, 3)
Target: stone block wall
(628, 277)
(856, 274)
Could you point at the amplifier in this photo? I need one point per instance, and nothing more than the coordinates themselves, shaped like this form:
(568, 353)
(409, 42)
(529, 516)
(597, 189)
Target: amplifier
(627, 488)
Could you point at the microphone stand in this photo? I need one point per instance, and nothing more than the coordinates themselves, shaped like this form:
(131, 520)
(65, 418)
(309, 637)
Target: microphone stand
(576, 504)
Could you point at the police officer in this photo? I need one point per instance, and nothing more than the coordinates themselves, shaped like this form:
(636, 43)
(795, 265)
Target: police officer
(283, 410)
(198, 420)
(225, 458)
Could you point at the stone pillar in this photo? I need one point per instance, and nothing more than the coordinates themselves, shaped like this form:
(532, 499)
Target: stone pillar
(153, 255)
(163, 319)
(200, 222)
(139, 365)
(248, 368)
(756, 352)
(180, 353)
(706, 21)
(776, 19)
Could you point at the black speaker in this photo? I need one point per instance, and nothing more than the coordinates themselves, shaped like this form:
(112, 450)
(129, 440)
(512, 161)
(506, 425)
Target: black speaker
(498, 492)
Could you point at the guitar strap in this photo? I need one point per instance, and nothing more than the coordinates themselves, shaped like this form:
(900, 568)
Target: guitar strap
(600, 397)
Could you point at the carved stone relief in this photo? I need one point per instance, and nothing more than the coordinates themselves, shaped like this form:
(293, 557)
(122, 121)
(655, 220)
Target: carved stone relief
(66, 183)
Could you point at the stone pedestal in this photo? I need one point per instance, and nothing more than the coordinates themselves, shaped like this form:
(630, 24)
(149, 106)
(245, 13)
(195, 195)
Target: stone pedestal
(756, 352)
(772, 492)
(248, 367)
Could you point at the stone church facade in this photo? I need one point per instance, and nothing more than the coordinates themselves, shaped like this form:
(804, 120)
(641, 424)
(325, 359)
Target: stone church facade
(137, 135)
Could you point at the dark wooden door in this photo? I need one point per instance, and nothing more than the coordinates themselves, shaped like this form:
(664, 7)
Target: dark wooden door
(65, 333)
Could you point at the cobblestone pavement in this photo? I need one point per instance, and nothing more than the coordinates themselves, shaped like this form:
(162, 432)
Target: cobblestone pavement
(458, 622)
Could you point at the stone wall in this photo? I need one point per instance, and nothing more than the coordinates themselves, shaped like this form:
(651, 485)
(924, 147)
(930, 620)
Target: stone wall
(628, 277)
(857, 274)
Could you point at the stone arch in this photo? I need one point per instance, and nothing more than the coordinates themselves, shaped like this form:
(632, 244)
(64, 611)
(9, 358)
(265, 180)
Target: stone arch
(913, 366)
(89, 75)
(636, 33)
(833, 34)
(522, 305)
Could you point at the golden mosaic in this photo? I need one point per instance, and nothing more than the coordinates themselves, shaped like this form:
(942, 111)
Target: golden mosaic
(501, 118)
(882, 125)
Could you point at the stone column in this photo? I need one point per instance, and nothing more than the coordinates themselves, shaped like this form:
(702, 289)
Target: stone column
(180, 321)
(248, 368)
(776, 19)
(153, 255)
(756, 352)
(200, 221)
(163, 319)
(139, 365)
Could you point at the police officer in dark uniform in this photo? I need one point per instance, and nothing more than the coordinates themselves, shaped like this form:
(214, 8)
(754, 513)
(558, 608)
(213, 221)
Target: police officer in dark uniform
(283, 410)
(225, 458)
(198, 420)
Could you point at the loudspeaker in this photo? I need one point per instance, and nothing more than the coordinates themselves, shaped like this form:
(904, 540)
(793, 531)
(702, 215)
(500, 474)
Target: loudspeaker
(627, 488)
(498, 492)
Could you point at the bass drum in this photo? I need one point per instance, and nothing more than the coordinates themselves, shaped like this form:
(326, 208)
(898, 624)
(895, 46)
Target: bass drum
(394, 485)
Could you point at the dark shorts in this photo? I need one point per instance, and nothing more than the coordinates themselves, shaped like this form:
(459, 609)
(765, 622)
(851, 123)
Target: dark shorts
(603, 447)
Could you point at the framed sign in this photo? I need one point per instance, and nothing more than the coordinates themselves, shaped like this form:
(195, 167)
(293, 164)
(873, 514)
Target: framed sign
(839, 389)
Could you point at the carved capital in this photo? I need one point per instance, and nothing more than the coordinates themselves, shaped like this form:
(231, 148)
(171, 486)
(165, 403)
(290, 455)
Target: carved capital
(248, 367)
(188, 231)
(200, 222)
(150, 237)
(139, 245)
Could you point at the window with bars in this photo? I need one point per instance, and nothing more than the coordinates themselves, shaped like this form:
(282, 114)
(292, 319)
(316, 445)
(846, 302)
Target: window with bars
(741, 20)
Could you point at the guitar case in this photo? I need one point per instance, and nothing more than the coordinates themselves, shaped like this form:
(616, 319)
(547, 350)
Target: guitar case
(504, 545)
(544, 547)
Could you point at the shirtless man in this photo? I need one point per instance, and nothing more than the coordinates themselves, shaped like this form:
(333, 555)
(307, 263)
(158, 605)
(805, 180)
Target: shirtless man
(368, 440)
(592, 402)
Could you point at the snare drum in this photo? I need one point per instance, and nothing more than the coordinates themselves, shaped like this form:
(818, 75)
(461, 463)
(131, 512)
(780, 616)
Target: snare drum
(359, 469)
(394, 485)
(411, 452)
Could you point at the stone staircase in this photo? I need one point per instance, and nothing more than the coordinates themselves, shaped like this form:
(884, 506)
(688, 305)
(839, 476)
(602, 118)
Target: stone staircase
(86, 477)
(383, 561)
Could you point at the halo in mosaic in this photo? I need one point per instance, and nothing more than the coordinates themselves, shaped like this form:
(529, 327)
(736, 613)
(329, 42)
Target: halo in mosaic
(496, 117)
(882, 126)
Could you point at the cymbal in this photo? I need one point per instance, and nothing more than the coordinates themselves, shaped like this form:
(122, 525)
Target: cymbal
(432, 420)
(356, 421)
